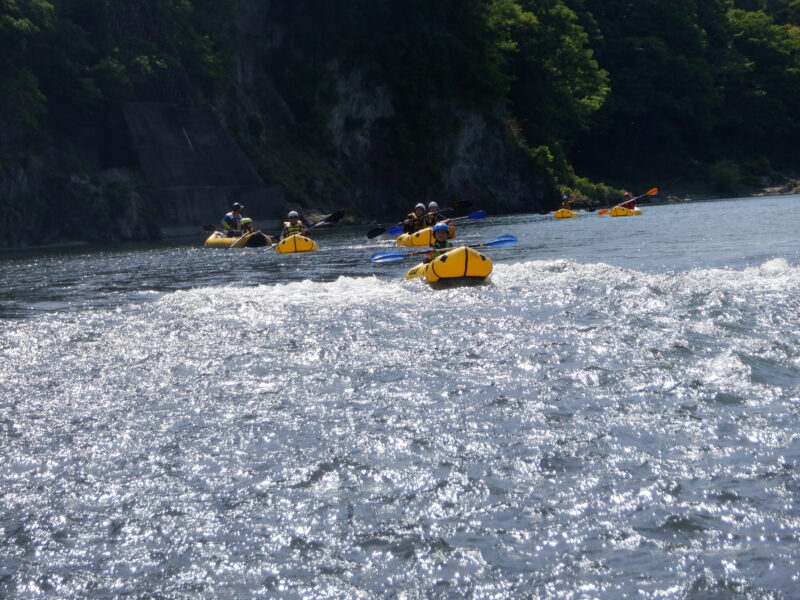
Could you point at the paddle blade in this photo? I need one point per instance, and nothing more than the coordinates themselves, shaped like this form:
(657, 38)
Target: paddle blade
(503, 240)
(387, 257)
(478, 214)
(373, 233)
(652, 192)
(396, 230)
(330, 219)
(604, 211)
(334, 218)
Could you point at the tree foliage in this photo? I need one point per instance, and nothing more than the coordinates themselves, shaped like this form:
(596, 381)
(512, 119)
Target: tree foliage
(22, 23)
(693, 81)
(616, 88)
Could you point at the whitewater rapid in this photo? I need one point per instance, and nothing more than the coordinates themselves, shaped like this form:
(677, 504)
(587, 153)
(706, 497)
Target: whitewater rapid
(574, 428)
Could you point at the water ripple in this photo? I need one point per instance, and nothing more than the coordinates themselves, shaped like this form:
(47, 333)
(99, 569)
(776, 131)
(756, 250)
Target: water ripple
(571, 430)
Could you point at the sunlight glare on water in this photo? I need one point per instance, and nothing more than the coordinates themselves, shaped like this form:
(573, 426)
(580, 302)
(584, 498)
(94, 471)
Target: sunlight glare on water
(593, 423)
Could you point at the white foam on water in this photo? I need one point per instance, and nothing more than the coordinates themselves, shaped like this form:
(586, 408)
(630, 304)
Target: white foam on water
(371, 425)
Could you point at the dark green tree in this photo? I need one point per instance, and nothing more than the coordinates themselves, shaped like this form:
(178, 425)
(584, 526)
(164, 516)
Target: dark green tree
(22, 22)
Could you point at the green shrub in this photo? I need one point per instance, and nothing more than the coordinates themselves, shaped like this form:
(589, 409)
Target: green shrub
(726, 177)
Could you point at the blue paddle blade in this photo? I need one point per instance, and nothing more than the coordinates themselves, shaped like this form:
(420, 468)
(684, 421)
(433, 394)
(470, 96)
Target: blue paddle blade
(503, 240)
(387, 257)
(396, 230)
(478, 214)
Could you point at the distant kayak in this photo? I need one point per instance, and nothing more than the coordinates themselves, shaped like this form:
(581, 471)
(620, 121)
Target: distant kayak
(458, 264)
(564, 213)
(296, 243)
(621, 211)
(256, 239)
(423, 237)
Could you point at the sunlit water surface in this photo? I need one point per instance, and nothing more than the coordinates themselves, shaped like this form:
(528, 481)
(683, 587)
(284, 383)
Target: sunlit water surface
(615, 415)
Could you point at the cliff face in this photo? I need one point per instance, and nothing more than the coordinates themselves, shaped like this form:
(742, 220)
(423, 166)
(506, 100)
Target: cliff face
(323, 130)
(70, 190)
(341, 140)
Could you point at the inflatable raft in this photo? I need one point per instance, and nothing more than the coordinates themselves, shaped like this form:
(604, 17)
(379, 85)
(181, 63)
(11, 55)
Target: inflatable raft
(563, 213)
(296, 243)
(256, 239)
(459, 264)
(423, 237)
(621, 211)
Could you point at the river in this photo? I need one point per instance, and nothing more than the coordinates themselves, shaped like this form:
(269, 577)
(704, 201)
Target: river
(614, 415)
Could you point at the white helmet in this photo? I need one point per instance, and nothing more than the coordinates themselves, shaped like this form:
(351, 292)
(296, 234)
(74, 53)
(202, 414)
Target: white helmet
(433, 205)
(294, 214)
(420, 205)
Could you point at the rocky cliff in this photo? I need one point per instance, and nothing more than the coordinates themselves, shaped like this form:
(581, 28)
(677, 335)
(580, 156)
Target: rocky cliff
(291, 121)
(339, 140)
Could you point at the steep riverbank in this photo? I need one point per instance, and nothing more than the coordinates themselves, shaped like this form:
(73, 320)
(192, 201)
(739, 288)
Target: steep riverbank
(287, 126)
(137, 120)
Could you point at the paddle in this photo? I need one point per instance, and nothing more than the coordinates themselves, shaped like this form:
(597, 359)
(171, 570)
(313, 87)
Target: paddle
(652, 192)
(478, 214)
(212, 229)
(236, 241)
(331, 219)
(387, 257)
(398, 229)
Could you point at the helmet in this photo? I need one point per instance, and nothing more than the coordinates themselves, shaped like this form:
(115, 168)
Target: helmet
(432, 205)
(626, 195)
(237, 206)
(420, 205)
(246, 221)
(441, 227)
(294, 214)
(565, 197)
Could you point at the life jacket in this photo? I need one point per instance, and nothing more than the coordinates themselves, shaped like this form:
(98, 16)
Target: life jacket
(630, 205)
(566, 205)
(437, 249)
(231, 221)
(432, 219)
(289, 229)
(413, 223)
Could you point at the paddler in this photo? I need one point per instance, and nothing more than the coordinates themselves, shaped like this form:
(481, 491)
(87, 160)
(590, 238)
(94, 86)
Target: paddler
(565, 203)
(246, 225)
(433, 216)
(232, 220)
(415, 220)
(627, 202)
(440, 242)
(293, 226)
